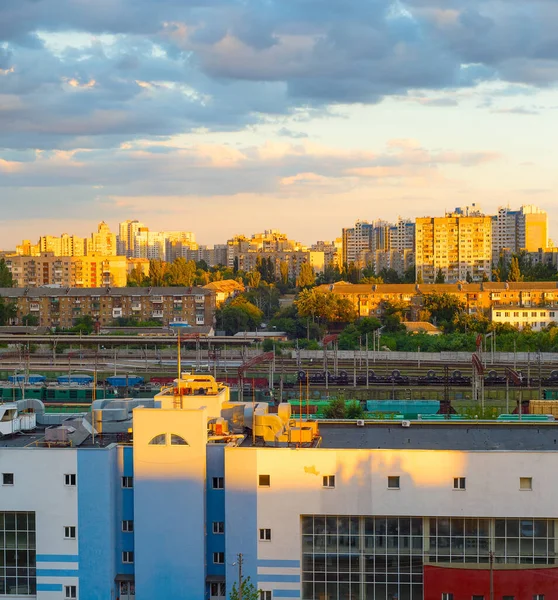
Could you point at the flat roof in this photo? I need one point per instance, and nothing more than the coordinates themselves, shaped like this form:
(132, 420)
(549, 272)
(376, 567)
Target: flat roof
(464, 435)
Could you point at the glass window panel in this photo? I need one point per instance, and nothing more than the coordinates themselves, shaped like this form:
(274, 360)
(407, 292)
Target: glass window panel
(416, 544)
(331, 562)
(416, 526)
(368, 525)
(500, 528)
(331, 524)
(550, 528)
(392, 543)
(433, 526)
(540, 547)
(512, 547)
(307, 525)
(21, 521)
(368, 544)
(457, 527)
(392, 526)
(484, 527)
(319, 563)
(457, 545)
(526, 547)
(526, 528)
(404, 526)
(512, 527)
(331, 543)
(443, 527)
(354, 525)
(355, 563)
(306, 543)
(540, 528)
(344, 564)
(471, 527)
(343, 526)
(404, 543)
(10, 521)
(381, 526)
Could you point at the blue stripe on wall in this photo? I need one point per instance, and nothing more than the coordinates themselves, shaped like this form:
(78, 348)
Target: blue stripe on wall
(286, 593)
(57, 558)
(278, 563)
(49, 587)
(279, 578)
(57, 572)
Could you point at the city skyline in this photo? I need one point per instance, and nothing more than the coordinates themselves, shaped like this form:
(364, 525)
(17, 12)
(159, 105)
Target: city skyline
(268, 116)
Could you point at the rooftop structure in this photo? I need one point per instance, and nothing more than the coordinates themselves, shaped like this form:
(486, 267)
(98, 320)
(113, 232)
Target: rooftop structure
(157, 499)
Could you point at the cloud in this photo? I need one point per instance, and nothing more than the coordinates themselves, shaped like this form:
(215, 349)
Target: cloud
(284, 132)
(98, 74)
(517, 110)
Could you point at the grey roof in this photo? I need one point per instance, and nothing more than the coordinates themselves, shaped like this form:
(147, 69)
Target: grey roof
(441, 436)
(49, 292)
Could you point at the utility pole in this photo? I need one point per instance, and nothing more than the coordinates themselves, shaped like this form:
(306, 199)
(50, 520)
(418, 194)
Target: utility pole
(240, 576)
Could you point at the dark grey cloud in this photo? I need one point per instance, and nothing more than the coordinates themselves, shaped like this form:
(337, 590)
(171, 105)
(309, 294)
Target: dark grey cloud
(175, 66)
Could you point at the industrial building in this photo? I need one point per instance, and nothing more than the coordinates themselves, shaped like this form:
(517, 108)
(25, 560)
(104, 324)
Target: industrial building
(144, 499)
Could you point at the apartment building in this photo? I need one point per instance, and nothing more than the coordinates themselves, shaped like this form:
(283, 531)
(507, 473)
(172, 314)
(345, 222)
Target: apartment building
(333, 251)
(158, 245)
(65, 245)
(56, 307)
(514, 231)
(357, 241)
(459, 244)
(71, 271)
(369, 299)
(127, 231)
(535, 318)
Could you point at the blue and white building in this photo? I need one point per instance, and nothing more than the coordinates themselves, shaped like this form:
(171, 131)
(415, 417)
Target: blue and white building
(167, 494)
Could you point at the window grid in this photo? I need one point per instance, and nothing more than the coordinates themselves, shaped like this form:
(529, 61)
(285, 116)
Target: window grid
(69, 532)
(368, 557)
(218, 483)
(17, 553)
(218, 527)
(264, 480)
(459, 483)
(7, 479)
(394, 482)
(265, 595)
(127, 557)
(218, 558)
(127, 482)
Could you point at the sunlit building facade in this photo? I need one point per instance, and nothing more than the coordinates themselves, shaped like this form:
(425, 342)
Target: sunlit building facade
(172, 491)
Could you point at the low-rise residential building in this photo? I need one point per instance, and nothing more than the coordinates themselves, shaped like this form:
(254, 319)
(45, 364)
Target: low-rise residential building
(371, 299)
(224, 289)
(536, 318)
(60, 307)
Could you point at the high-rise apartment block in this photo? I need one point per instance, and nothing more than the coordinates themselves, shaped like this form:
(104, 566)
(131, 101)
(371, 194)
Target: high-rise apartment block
(102, 243)
(357, 241)
(71, 271)
(158, 245)
(126, 241)
(459, 244)
(517, 230)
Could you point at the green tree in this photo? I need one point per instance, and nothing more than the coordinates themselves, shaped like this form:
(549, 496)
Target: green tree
(235, 265)
(284, 272)
(249, 591)
(30, 320)
(239, 315)
(306, 276)
(136, 278)
(6, 279)
(157, 273)
(335, 408)
(440, 277)
(253, 279)
(444, 309)
(419, 279)
(354, 410)
(84, 324)
(390, 276)
(182, 272)
(410, 275)
(515, 271)
(8, 311)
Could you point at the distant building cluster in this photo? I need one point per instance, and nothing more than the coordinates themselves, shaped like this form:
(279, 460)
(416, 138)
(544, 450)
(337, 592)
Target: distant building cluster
(463, 245)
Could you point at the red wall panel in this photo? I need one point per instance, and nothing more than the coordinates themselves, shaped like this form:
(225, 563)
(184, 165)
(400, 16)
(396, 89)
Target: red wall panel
(465, 583)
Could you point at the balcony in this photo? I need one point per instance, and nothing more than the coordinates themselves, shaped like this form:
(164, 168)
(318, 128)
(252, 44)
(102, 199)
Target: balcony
(200, 320)
(199, 299)
(34, 307)
(157, 299)
(136, 306)
(116, 313)
(157, 314)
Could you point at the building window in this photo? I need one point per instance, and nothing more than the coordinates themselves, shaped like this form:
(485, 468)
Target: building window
(218, 558)
(329, 481)
(265, 595)
(498, 314)
(177, 440)
(218, 483)
(70, 479)
(507, 314)
(69, 532)
(447, 596)
(477, 598)
(526, 483)
(127, 557)
(218, 589)
(265, 535)
(127, 482)
(159, 440)
(17, 551)
(538, 597)
(264, 480)
(7, 479)
(508, 597)
(459, 483)
(218, 527)
(394, 482)
(389, 549)
(127, 526)
(70, 592)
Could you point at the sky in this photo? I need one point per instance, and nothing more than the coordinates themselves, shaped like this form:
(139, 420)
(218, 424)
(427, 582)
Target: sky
(234, 116)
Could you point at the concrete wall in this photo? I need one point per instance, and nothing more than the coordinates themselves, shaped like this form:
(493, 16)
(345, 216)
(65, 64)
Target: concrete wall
(39, 488)
(169, 505)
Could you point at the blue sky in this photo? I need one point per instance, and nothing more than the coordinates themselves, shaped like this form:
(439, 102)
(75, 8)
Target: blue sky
(231, 116)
